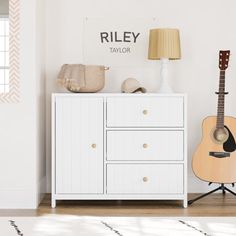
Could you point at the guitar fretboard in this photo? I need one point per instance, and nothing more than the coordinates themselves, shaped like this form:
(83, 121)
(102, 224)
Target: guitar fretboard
(221, 101)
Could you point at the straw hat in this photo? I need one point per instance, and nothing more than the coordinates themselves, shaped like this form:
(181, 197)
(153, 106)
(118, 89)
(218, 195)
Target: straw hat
(132, 85)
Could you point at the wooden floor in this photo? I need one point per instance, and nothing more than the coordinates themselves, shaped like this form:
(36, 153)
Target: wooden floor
(214, 205)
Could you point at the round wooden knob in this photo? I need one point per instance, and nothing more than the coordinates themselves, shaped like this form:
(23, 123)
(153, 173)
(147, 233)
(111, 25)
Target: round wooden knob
(94, 145)
(145, 112)
(145, 179)
(145, 145)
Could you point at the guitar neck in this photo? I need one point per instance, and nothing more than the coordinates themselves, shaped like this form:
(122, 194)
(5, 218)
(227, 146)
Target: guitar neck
(221, 101)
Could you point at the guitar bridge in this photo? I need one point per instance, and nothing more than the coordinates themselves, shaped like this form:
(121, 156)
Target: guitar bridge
(225, 93)
(219, 154)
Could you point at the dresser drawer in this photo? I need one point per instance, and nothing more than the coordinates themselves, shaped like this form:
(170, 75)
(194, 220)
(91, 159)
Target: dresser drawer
(154, 111)
(145, 179)
(145, 145)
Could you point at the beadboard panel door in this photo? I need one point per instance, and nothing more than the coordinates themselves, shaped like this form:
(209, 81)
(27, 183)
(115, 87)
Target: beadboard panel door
(145, 178)
(79, 145)
(145, 111)
(159, 145)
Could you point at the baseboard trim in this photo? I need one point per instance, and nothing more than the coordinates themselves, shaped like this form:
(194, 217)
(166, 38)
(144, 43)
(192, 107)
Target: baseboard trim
(18, 199)
(23, 198)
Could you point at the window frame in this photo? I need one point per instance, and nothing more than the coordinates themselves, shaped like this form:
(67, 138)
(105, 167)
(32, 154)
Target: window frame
(5, 68)
(13, 96)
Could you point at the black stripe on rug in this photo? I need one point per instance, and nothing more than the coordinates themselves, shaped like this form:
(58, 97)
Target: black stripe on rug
(193, 227)
(13, 224)
(111, 228)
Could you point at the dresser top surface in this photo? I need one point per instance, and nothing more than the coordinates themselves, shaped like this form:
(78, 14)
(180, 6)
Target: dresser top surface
(119, 95)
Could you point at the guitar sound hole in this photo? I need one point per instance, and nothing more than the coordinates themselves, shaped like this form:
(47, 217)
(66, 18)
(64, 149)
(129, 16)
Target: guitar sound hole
(221, 135)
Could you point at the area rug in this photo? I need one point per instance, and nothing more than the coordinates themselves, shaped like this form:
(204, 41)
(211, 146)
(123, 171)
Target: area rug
(65, 225)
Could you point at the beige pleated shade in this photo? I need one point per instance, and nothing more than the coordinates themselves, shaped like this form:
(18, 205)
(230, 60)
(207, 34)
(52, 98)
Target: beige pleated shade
(164, 43)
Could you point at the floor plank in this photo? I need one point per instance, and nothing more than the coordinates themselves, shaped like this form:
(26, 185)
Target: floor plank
(214, 205)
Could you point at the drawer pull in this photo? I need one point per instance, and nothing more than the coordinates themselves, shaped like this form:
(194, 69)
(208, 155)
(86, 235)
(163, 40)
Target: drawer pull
(145, 112)
(145, 145)
(94, 145)
(145, 179)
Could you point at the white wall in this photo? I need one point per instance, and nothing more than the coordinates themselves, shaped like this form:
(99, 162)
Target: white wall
(20, 136)
(206, 27)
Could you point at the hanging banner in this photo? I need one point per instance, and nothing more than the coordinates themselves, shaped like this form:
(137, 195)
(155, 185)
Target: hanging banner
(117, 42)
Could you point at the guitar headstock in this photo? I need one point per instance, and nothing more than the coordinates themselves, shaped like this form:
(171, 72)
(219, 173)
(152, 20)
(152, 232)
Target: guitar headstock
(224, 59)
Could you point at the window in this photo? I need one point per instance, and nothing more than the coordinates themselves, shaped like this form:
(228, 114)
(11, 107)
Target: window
(4, 54)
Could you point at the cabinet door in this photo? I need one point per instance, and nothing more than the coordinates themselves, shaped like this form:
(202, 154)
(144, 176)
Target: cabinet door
(79, 145)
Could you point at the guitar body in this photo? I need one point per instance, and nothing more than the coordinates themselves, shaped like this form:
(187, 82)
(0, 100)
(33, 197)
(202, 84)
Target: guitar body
(216, 167)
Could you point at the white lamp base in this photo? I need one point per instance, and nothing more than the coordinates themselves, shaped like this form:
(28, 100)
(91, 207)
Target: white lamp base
(164, 86)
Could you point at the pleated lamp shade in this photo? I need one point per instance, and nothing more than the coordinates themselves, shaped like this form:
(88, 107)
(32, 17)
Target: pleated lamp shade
(164, 43)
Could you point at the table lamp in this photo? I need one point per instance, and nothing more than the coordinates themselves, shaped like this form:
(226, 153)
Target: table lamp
(164, 45)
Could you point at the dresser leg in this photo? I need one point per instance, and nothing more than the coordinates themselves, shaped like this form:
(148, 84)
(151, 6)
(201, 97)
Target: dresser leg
(185, 203)
(53, 203)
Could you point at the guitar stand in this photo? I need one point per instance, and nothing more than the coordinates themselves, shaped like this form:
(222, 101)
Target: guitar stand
(222, 187)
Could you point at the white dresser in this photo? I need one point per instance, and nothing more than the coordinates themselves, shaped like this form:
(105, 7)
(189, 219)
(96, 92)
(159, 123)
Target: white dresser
(119, 146)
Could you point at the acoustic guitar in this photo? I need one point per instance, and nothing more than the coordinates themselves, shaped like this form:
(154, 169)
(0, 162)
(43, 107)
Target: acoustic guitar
(215, 158)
